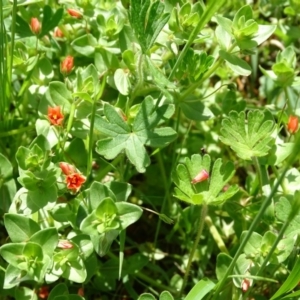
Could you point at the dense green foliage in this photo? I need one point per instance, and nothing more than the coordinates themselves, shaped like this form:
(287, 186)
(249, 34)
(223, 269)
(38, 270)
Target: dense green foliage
(149, 149)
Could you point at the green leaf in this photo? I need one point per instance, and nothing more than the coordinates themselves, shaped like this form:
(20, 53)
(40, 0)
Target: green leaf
(248, 138)
(58, 290)
(13, 253)
(147, 20)
(208, 191)
(165, 295)
(283, 209)
(290, 283)
(146, 296)
(128, 213)
(133, 138)
(20, 228)
(223, 262)
(6, 168)
(50, 21)
(122, 82)
(196, 110)
(202, 288)
(47, 238)
(236, 64)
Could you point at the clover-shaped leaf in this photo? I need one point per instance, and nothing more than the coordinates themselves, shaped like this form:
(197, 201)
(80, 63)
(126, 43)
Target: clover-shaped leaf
(248, 138)
(132, 137)
(196, 189)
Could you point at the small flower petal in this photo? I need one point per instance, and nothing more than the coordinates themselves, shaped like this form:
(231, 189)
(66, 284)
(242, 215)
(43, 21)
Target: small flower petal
(201, 176)
(35, 25)
(292, 125)
(67, 65)
(74, 13)
(75, 181)
(55, 116)
(67, 168)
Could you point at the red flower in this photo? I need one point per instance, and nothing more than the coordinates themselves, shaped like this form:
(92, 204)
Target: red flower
(58, 33)
(67, 65)
(292, 125)
(64, 244)
(35, 25)
(202, 175)
(74, 13)
(55, 116)
(43, 292)
(75, 181)
(67, 169)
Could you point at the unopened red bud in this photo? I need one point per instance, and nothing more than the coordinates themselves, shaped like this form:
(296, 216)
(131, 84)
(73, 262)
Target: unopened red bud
(35, 26)
(66, 168)
(67, 65)
(64, 244)
(202, 175)
(58, 33)
(80, 292)
(74, 13)
(292, 125)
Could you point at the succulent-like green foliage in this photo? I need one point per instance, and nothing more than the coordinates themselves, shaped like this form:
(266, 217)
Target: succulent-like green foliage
(249, 137)
(122, 136)
(208, 191)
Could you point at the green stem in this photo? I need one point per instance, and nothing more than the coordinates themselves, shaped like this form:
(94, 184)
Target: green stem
(257, 219)
(204, 210)
(16, 131)
(90, 139)
(215, 234)
(259, 172)
(69, 125)
(166, 197)
(211, 9)
(294, 211)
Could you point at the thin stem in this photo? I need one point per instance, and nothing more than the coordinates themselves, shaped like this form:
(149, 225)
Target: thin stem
(90, 150)
(192, 253)
(69, 125)
(215, 234)
(211, 9)
(256, 221)
(259, 173)
(294, 211)
(166, 197)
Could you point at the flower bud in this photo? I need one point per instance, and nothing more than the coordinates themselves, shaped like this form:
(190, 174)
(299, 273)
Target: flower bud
(67, 169)
(67, 65)
(58, 33)
(74, 13)
(292, 125)
(64, 244)
(202, 175)
(35, 26)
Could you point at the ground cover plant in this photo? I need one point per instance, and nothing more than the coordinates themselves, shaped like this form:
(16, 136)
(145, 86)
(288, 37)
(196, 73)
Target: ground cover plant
(149, 149)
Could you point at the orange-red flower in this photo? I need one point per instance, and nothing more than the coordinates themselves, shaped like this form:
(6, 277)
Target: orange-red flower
(35, 25)
(67, 169)
(43, 292)
(58, 33)
(67, 64)
(201, 176)
(292, 125)
(74, 13)
(55, 116)
(75, 181)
